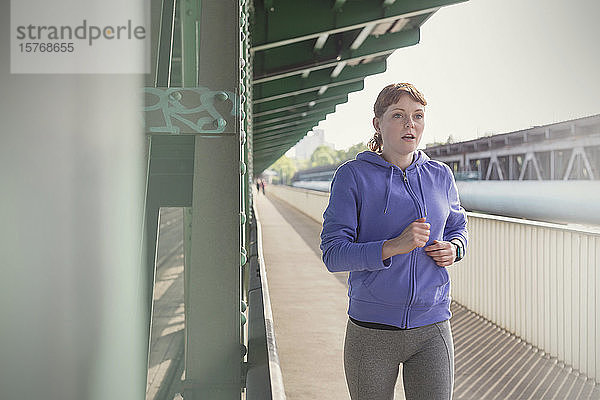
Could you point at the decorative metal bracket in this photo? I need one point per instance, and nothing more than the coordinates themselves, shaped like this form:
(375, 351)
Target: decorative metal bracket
(198, 110)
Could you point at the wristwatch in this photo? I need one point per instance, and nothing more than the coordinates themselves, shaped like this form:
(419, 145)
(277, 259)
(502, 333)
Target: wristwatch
(460, 251)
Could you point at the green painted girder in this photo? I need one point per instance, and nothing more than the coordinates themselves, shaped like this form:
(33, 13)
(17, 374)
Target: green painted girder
(273, 134)
(300, 120)
(287, 144)
(335, 100)
(296, 84)
(271, 156)
(296, 21)
(291, 117)
(338, 4)
(283, 134)
(268, 160)
(293, 60)
(273, 128)
(189, 17)
(165, 44)
(297, 110)
(307, 90)
(308, 97)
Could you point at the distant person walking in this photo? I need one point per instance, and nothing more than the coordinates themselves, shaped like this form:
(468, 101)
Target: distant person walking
(262, 185)
(394, 221)
(258, 186)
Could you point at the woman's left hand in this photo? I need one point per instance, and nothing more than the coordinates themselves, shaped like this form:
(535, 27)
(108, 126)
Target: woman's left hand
(442, 252)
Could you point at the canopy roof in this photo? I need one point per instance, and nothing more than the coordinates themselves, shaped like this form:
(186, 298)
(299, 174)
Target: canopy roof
(308, 55)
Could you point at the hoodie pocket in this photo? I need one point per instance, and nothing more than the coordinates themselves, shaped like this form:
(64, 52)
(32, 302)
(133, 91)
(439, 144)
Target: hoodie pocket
(370, 278)
(433, 282)
(389, 286)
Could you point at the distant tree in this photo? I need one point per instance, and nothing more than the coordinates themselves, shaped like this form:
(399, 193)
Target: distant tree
(285, 168)
(351, 153)
(450, 139)
(323, 155)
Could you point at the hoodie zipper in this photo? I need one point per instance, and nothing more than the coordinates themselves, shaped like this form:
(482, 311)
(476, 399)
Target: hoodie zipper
(413, 275)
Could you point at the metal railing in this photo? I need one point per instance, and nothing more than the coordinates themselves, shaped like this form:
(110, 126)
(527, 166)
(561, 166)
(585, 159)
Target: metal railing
(537, 280)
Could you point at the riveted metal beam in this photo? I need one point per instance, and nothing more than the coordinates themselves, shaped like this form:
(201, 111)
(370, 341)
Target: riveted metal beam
(274, 133)
(292, 139)
(307, 98)
(340, 99)
(165, 44)
(189, 16)
(292, 117)
(283, 132)
(294, 84)
(299, 110)
(281, 63)
(274, 128)
(287, 25)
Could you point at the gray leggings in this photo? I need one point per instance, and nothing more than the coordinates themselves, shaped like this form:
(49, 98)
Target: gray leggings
(372, 358)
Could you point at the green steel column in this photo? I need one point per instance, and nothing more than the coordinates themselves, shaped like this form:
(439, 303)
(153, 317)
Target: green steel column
(212, 299)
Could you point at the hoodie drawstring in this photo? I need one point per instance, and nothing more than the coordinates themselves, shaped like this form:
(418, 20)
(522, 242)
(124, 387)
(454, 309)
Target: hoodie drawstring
(389, 189)
(421, 189)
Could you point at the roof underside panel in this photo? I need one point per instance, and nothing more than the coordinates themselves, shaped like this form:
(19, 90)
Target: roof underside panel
(308, 55)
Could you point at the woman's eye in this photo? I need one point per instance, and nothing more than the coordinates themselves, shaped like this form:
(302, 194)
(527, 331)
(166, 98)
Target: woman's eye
(419, 116)
(398, 116)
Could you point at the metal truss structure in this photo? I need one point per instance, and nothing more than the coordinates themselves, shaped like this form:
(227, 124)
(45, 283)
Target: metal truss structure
(568, 150)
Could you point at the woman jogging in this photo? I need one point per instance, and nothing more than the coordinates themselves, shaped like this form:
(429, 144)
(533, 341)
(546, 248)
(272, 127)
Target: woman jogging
(395, 222)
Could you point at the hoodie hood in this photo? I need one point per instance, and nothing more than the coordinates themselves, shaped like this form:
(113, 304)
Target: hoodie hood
(374, 158)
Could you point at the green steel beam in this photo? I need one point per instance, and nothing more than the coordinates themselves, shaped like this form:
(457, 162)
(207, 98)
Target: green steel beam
(281, 63)
(334, 100)
(307, 90)
(288, 23)
(293, 85)
(282, 135)
(274, 134)
(273, 155)
(278, 126)
(165, 44)
(296, 111)
(268, 160)
(303, 114)
(190, 16)
(338, 5)
(307, 98)
(289, 143)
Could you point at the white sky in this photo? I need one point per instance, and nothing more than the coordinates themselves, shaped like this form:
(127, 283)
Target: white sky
(490, 66)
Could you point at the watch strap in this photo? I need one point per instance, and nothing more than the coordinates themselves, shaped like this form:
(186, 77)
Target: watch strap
(460, 252)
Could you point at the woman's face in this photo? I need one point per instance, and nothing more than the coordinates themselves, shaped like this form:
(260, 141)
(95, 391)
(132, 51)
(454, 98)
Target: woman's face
(401, 127)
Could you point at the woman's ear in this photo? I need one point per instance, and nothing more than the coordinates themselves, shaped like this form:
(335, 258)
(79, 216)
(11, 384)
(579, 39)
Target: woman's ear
(376, 124)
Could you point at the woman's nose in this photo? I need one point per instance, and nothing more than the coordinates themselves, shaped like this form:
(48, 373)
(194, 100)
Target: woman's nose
(409, 122)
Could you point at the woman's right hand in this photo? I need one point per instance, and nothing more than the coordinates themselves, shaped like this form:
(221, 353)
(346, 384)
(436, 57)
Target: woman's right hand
(414, 235)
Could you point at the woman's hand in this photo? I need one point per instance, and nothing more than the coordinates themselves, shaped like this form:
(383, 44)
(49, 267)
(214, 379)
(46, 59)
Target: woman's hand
(414, 235)
(442, 252)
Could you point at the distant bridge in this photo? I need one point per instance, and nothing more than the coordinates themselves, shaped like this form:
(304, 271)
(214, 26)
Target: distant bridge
(568, 150)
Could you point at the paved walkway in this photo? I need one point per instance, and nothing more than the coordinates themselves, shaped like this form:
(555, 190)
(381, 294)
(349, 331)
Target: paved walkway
(309, 305)
(309, 311)
(166, 347)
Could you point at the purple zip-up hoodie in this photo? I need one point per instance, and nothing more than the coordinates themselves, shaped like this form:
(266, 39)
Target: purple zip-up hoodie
(373, 201)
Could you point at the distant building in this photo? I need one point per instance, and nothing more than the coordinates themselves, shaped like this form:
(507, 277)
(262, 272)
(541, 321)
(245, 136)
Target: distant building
(309, 143)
